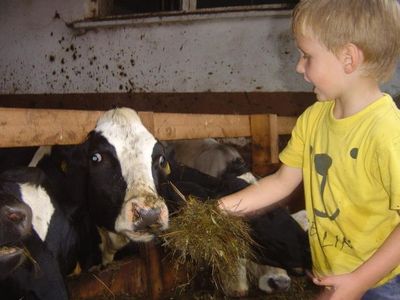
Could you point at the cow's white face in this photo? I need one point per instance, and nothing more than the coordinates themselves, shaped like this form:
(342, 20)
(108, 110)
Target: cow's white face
(134, 144)
(42, 207)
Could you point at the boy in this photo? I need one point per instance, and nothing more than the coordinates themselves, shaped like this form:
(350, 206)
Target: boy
(345, 148)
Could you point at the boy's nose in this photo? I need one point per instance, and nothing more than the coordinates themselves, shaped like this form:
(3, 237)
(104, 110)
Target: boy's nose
(300, 66)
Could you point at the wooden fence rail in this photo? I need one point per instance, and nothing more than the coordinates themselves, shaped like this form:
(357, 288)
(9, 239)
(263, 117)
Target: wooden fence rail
(21, 127)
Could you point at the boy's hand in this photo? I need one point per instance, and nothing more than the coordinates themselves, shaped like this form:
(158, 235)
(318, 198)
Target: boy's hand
(340, 287)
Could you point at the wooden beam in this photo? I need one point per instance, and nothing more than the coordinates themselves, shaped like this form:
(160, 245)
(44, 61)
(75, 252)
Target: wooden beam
(243, 103)
(34, 127)
(169, 126)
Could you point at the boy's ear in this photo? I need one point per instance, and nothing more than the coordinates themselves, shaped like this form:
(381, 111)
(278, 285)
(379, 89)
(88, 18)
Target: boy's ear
(352, 57)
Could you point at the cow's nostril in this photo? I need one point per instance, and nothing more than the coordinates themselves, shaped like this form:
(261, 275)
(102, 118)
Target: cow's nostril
(21, 215)
(135, 213)
(16, 217)
(273, 284)
(150, 216)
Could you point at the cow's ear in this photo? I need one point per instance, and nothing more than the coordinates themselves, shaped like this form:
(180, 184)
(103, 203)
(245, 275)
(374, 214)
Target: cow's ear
(64, 166)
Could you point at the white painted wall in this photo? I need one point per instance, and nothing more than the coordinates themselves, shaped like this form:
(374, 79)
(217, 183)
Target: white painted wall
(40, 54)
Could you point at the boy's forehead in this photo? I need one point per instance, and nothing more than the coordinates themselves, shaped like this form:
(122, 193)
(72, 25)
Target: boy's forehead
(303, 41)
(309, 44)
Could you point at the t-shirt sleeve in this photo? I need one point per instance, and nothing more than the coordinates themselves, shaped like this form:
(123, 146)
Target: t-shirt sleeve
(292, 155)
(389, 168)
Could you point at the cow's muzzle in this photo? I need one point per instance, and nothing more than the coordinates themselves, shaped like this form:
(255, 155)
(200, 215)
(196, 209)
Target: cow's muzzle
(142, 217)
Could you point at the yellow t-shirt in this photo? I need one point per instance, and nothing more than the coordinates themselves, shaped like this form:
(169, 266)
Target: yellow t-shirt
(351, 175)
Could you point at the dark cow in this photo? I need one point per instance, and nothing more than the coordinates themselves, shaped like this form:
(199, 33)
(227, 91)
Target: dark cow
(29, 269)
(206, 155)
(282, 242)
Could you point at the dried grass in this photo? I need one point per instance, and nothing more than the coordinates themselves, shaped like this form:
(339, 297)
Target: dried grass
(200, 235)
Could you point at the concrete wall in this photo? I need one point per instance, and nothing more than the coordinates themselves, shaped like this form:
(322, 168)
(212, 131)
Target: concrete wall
(39, 53)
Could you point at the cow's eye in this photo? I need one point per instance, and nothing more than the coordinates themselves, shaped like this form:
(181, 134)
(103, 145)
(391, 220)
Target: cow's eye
(163, 163)
(96, 157)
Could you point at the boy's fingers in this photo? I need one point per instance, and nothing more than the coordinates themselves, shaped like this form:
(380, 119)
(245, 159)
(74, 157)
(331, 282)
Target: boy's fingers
(310, 274)
(320, 281)
(323, 282)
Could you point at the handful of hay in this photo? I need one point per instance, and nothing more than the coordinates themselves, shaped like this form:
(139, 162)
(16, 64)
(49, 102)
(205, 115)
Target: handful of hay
(201, 235)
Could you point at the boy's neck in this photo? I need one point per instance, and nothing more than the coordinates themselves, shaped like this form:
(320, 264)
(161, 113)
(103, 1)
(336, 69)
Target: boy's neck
(356, 98)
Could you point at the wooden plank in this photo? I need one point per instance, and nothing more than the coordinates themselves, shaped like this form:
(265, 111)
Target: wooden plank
(147, 119)
(170, 126)
(34, 127)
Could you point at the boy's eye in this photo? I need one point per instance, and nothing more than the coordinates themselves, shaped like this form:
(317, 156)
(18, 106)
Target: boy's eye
(304, 55)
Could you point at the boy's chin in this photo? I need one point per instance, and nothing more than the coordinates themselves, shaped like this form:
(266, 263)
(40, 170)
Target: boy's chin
(322, 98)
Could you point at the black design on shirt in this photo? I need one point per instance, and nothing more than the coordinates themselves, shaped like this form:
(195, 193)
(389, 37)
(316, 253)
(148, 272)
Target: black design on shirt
(322, 164)
(354, 153)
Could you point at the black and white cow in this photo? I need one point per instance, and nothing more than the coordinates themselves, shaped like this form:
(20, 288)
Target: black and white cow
(29, 269)
(111, 178)
(283, 242)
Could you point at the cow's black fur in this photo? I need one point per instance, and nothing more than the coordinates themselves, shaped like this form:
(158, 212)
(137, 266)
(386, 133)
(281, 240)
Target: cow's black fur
(280, 239)
(15, 156)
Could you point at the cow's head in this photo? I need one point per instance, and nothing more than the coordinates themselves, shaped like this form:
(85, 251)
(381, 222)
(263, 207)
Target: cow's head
(15, 225)
(122, 187)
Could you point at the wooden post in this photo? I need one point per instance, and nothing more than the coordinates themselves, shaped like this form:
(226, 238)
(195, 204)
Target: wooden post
(151, 255)
(264, 135)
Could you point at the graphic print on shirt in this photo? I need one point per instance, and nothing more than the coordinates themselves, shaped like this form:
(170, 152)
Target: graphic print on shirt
(322, 164)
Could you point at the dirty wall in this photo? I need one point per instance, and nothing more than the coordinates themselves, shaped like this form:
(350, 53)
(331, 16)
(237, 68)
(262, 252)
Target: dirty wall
(41, 54)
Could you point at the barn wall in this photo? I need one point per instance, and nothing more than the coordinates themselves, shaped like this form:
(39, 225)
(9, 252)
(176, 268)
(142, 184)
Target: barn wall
(40, 54)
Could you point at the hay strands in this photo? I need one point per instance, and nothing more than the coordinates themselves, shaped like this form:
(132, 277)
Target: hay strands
(201, 235)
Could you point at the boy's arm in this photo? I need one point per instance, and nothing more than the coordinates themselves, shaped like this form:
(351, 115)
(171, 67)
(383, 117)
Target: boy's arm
(384, 260)
(265, 192)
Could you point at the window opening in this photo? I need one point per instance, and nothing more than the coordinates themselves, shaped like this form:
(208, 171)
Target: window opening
(124, 7)
(228, 3)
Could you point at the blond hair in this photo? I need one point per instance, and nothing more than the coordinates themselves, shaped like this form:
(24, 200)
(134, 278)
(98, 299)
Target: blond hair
(372, 25)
